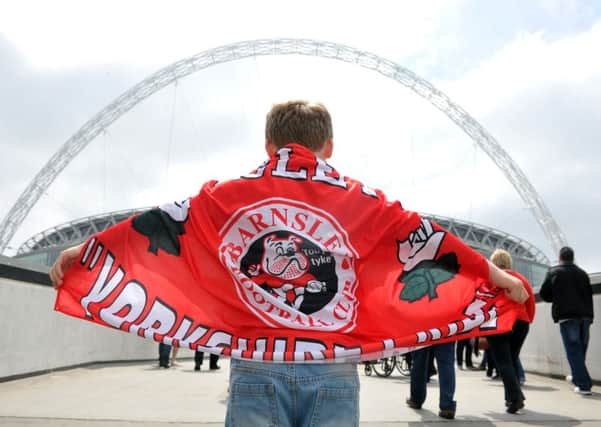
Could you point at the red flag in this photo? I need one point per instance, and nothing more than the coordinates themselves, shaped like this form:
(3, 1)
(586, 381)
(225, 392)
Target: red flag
(291, 262)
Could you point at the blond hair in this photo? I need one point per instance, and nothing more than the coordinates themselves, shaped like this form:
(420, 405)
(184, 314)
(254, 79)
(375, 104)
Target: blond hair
(306, 123)
(501, 258)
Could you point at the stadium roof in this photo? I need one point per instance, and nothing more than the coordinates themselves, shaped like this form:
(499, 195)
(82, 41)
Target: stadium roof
(488, 239)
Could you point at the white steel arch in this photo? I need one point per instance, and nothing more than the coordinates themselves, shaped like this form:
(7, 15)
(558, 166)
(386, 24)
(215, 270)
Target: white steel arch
(264, 47)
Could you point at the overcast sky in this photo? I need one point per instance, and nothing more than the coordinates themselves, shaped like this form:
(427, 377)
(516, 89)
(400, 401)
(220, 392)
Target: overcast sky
(528, 71)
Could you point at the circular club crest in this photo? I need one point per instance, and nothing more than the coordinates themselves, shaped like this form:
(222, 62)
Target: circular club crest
(293, 265)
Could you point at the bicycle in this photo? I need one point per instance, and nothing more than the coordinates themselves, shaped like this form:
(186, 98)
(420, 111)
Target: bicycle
(385, 366)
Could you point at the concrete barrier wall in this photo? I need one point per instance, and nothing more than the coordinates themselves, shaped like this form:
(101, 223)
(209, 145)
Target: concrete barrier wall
(36, 338)
(543, 350)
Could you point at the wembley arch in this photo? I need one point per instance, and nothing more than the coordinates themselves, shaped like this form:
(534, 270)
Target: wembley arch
(268, 47)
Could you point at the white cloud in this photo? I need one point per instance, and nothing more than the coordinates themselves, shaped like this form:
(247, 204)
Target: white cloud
(529, 63)
(65, 33)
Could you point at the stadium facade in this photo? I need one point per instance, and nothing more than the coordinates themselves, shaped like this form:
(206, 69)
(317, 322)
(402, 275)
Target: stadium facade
(44, 247)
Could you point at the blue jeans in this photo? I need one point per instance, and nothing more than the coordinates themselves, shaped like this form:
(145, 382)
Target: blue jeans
(445, 359)
(575, 335)
(164, 351)
(290, 394)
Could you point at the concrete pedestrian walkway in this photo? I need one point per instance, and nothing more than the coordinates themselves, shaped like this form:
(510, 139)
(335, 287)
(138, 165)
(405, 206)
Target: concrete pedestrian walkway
(141, 394)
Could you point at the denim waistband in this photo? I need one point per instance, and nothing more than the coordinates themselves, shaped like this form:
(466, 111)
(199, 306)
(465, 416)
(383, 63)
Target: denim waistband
(294, 370)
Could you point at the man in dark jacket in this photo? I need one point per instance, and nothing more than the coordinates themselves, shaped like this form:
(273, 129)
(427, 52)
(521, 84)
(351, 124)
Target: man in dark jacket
(569, 289)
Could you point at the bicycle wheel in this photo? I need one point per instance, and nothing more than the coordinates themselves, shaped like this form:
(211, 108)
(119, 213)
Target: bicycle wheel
(402, 365)
(384, 366)
(367, 368)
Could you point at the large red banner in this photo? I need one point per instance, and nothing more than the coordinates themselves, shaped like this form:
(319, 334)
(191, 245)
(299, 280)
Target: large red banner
(292, 262)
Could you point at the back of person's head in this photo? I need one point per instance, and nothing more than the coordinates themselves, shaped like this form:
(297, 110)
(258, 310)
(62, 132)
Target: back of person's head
(303, 122)
(501, 258)
(566, 254)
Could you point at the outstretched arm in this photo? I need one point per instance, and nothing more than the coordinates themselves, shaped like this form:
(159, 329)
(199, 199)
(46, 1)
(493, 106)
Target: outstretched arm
(62, 264)
(514, 288)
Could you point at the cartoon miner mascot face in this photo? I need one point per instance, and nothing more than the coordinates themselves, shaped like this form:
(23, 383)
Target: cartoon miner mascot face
(282, 258)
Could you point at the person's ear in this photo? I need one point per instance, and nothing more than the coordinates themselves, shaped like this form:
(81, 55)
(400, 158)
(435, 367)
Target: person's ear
(328, 149)
(270, 148)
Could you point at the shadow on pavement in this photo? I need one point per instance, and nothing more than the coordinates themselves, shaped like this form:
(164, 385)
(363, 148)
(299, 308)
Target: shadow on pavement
(594, 396)
(538, 387)
(534, 418)
(431, 419)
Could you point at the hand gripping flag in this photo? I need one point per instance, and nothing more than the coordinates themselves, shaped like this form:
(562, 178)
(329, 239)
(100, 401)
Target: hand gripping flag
(292, 262)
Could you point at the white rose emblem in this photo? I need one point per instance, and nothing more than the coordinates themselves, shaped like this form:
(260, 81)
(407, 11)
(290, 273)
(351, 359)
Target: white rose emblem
(422, 244)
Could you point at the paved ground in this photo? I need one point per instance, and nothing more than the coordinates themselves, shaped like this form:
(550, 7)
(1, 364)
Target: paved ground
(134, 395)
